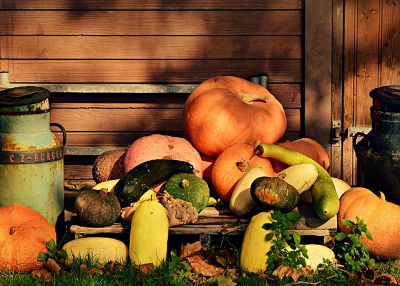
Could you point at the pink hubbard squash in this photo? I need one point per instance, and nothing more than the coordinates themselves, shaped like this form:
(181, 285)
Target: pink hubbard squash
(24, 233)
(158, 146)
(233, 163)
(226, 110)
(381, 219)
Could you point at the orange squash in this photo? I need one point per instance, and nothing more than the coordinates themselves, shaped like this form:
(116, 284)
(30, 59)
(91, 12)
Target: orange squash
(233, 163)
(23, 235)
(223, 111)
(305, 146)
(380, 217)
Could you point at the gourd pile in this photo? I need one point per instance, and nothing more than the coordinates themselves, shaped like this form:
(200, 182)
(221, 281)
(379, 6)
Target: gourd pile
(230, 155)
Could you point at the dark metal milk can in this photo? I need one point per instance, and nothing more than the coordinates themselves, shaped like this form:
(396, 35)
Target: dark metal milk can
(31, 156)
(378, 152)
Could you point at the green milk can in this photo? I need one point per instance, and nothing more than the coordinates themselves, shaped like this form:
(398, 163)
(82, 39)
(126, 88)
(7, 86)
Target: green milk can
(31, 156)
(378, 152)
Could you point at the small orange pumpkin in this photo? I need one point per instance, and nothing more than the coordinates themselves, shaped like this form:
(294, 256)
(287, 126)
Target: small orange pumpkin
(305, 146)
(24, 233)
(223, 111)
(232, 164)
(380, 217)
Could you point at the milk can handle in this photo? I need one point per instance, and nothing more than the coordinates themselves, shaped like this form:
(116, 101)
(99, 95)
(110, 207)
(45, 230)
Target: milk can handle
(63, 131)
(355, 139)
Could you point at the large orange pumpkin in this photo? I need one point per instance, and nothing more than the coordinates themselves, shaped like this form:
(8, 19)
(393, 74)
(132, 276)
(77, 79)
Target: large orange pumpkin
(223, 111)
(232, 164)
(305, 146)
(380, 216)
(23, 235)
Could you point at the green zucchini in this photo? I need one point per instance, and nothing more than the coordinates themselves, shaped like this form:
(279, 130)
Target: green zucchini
(146, 175)
(274, 193)
(323, 192)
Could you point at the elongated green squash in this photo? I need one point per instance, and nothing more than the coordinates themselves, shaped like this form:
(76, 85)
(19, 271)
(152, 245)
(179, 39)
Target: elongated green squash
(324, 196)
(99, 250)
(149, 233)
(138, 180)
(253, 254)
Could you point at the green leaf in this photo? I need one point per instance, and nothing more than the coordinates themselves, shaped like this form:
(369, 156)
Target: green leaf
(296, 238)
(346, 222)
(42, 256)
(62, 253)
(340, 236)
(293, 216)
(365, 248)
(267, 226)
(269, 236)
(368, 234)
(51, 245)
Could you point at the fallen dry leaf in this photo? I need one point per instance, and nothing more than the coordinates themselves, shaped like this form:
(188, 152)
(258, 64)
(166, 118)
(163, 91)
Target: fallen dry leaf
(90, 270)
(389, 278)
(287, 271)
(200, 266)
(74, 187)
(43, 274)
(226, 257)
(224, 281)
(190, 248)
(144, 268)
(53, 266)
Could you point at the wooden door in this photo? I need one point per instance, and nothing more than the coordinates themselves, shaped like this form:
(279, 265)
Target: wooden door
(366, 52)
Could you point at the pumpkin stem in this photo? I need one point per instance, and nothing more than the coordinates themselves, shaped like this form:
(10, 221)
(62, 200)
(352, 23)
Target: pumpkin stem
(185, 183)
(103, 192)
(383, 198)
(13, 230)
(243, 166)
(250, 97)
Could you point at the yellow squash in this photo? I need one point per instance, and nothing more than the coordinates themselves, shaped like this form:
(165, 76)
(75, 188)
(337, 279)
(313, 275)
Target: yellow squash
(253, 255)
(96, 249)
(149, 233)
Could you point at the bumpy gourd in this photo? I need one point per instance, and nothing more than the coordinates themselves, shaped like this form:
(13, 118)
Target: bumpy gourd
(149, 233)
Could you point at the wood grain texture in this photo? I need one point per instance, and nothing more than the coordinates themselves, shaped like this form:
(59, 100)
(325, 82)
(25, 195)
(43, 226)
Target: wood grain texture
(135, 23)
(318, 57)
(151, 5)
(151, 47)
(142, 71)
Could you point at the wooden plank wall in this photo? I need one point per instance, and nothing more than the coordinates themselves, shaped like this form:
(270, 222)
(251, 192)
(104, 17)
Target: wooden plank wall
(123, 42)
(368, 41)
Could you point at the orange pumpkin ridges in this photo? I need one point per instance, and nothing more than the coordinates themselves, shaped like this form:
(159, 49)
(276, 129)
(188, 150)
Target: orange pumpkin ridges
(305, 146)
(24, 233)
(232, 164)
(380, 217)
(223, 111)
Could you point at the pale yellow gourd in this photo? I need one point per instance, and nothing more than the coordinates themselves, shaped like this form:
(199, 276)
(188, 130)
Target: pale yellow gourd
(317, 253)
(253, 255)
(301, 176)
(149, 233)
(99, 250)
(109, 185)
(241, 202)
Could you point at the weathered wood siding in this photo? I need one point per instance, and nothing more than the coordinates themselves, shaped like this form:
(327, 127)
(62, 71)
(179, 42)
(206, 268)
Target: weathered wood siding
(366, 56)
(122, 43)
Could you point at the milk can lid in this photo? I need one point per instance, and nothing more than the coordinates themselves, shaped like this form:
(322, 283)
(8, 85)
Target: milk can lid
(23, 95)
(386, 98)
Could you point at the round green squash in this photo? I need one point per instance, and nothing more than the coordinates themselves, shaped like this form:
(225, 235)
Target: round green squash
(190, 188)
(97, 208)
(274, 193)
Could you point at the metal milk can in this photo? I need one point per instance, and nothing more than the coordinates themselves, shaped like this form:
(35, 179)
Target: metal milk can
(31, 156)
(378, 152)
